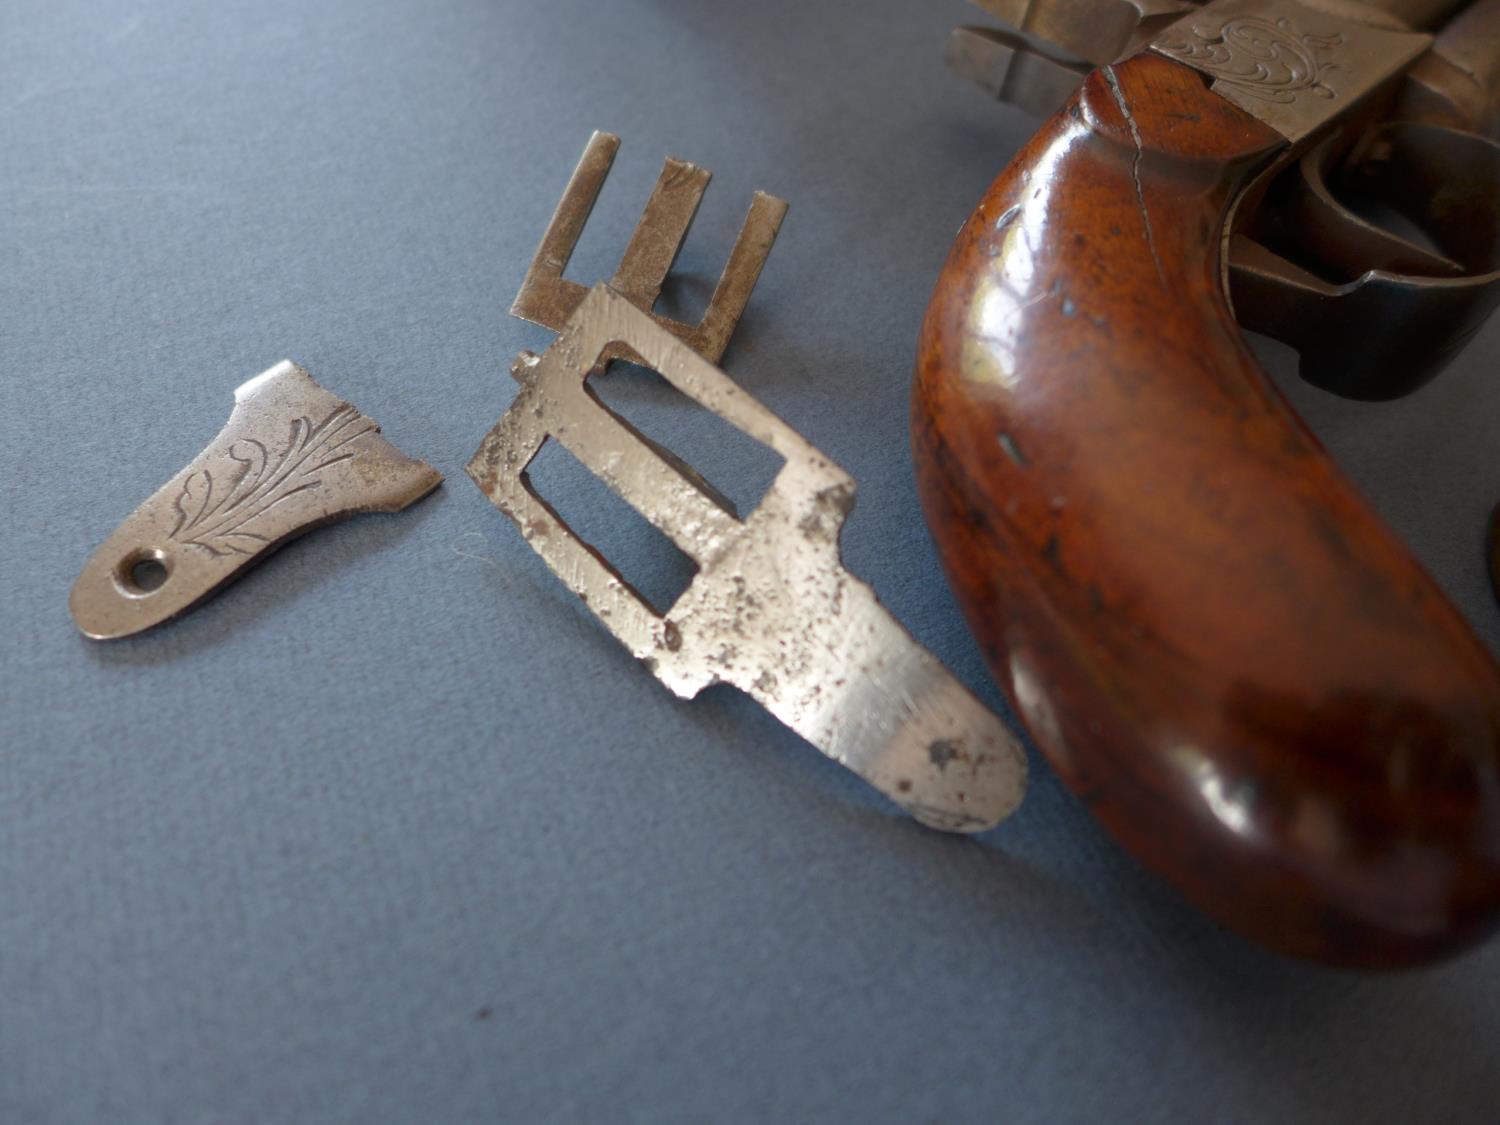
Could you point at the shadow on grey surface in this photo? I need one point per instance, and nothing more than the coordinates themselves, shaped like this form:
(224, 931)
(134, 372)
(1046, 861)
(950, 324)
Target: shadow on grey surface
(298, 569)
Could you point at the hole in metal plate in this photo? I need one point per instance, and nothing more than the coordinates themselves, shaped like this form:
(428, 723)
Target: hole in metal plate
(734, 465)
(648, 561)
(143, 572)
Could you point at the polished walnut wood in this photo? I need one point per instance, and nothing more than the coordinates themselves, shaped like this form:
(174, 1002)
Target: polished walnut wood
(1209, 634)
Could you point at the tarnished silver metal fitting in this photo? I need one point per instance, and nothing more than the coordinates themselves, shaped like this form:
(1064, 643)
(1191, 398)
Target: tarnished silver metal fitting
(292, 457)
(771, 610)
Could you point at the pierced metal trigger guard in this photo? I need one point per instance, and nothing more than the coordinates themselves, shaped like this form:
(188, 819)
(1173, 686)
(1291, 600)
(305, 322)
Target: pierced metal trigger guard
(292, 457)
(1375, 314)
(771, 610)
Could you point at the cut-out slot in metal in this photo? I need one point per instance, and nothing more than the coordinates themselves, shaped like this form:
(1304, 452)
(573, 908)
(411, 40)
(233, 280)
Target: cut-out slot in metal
(772, 610)
(726, 462)
(644, 559)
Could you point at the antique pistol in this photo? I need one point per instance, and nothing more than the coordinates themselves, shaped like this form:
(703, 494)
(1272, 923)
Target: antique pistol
(1209, 633)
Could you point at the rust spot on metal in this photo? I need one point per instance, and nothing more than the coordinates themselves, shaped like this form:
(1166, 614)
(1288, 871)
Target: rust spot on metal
(941, 752)
(771, 609)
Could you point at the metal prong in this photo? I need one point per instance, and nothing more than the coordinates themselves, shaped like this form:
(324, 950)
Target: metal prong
(751, 248)
(543, 288)
(659, 235)
(549, 299)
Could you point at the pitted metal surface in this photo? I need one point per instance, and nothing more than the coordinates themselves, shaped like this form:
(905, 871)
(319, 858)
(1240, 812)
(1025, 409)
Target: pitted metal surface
(771, 610)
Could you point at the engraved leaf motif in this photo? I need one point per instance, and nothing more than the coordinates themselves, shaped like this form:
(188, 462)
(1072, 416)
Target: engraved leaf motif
(251, 457)
(194, 499)
(259, 481)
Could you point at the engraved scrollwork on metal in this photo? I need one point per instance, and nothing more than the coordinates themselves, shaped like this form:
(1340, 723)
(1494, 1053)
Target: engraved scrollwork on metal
(1295, 68)
(292, 457)
(1265, 58)
(259, 483)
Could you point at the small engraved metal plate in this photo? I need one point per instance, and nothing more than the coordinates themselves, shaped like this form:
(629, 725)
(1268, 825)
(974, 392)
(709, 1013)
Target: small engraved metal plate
(291, 458)
(549, 299)
(1295, 68)
(771, 609)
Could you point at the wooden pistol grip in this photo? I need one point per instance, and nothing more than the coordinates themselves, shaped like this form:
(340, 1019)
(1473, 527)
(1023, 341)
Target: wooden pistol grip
(1253, 684)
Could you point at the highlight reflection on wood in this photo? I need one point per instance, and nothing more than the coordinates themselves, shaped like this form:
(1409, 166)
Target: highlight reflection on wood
(1213, 639)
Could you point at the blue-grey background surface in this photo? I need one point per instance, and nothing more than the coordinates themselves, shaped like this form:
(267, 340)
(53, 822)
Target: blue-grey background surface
(393, 831)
